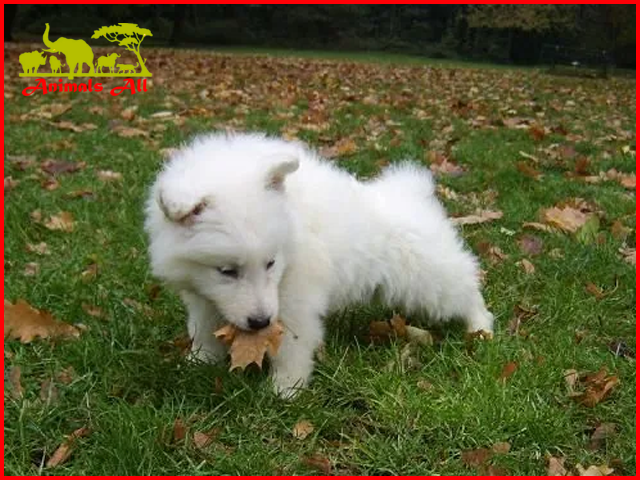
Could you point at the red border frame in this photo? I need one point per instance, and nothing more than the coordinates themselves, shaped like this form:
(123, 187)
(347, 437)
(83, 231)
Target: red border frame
(2, 100)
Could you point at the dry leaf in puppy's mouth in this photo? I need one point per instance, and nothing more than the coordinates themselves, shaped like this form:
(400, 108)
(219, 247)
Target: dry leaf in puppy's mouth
(247, 347)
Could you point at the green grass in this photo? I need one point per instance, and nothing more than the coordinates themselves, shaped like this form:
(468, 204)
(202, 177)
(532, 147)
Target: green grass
(130, 384)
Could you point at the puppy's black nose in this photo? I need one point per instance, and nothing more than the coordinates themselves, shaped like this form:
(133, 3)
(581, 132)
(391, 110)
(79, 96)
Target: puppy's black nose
(258, 323)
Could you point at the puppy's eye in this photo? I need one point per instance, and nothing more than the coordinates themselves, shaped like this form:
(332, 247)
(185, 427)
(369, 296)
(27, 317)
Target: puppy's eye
(228, 271)
(270, 264)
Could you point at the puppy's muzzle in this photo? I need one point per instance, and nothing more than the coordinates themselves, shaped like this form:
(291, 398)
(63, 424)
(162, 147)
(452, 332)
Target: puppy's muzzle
(258, 322)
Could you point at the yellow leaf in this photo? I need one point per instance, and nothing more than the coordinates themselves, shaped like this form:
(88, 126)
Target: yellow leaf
(250, 347)
(303, 429)
(25, 323)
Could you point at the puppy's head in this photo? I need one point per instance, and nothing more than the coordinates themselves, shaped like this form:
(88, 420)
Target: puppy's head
(225, 238)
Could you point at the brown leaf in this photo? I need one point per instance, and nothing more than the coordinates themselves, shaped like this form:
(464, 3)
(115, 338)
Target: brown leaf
(50, 184)
(65, 125)
(424, 385)
(582, 166)
(109, 176)
(528, 170)
(567, 152)
(318, 462)
(555, 467)
(31, 269)
(620, 231)
(594, 471)
(539, 226)
(480, 217)
(441, 165)
(531, 245)
(475, 458)
(90, 273)
(129, 132)
(203, 439)
(129, 113)
(570, 377)
(501, 448)
(303, 429)
(92, 310)
(15, 375)
(82, 193)
(494, 254)
(63, 222)
(39, 249)
(508, 370)
(25, 323)
(596, 387)
(65, 449)
(56, 167)
(179, 431)
(629, 255)
(594, 290)
(66, 375)
(600, 435)
(250, 347)
(568, 219)
(537, 132)
(528, 267)
(419, 336)
(398, 325)
(10, 184)
(49, 392)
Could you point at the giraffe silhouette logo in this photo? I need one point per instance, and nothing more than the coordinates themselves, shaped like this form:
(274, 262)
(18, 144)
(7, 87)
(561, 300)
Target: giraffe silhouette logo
(78, 53)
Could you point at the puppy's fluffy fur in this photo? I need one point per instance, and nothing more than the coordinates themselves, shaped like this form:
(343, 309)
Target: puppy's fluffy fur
(249, 228)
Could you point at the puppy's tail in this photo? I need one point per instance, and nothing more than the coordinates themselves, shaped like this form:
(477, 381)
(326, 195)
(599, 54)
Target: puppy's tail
(406, 179)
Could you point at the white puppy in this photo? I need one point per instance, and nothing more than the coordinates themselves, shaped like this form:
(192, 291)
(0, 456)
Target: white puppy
(249, 229)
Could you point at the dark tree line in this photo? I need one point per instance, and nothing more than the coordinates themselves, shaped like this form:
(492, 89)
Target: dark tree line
(509, 33)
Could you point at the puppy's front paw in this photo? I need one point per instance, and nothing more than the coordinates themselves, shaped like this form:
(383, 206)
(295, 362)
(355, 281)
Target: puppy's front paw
(287, 387)
(212, 353)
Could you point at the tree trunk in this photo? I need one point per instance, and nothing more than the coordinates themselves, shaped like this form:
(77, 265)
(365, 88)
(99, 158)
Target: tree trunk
(179, 16)
(10, 11)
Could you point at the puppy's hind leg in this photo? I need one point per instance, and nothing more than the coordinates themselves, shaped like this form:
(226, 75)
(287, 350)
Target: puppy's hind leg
(203, 320)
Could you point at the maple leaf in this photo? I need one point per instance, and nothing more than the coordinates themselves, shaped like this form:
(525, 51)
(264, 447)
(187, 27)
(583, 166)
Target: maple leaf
(528, 267)
(594, 471)
(202, 440)
(15, 375)
(318, 462)
(531, 245)
(501, 448)
(302, 429)
(600, 435)
(529, 171)
(508, 370)
(595, 388)
(629, 255)
(64, 125)
(343, 148)
(129, 132)
(55, 167)
(25, 323)
(250, 347)
(479, 217)
(477, 457)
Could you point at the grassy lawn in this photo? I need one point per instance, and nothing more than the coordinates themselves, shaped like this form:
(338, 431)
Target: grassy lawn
(515, 141)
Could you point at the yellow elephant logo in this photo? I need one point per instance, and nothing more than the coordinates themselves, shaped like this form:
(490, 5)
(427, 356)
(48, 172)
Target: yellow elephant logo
(78, 53)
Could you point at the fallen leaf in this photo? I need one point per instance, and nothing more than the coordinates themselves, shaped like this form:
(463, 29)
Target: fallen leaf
(49, 392)
(620, 231)
(480, 217)
(318, 462)
(129, 132)
(83, 193)
(620, 349)
(556, 253)
(10, 184)
(594, 471)
(25, 323)
(92, 310)
(203, 439)
(303, 429)
(528, 171)
(582, 166)
(250, 347)
(65, 450)
(424, 385)
(56, 167)
(475, 458)
(441, 165)
(555, 467)
(66, 375)
(50, 184)
(109, 176)
(343, 148)
(539, 226)
(129, 113)
(494, 254)
(531, 245)
(570, 377)
(501, 448)
(31, 269)
(508, 370)
(594, 290)
(629, 255)
(398, 325)
(600, 435)
(65, 125)
(15, 375)
(90, 273)
(419, 336)
(528, 267)
(537, 132)
(62, 222)
(163, 114)
(567, 218)
(595, 388)
(179, 430)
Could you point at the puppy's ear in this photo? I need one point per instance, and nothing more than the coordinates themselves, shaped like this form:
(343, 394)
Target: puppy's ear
(277, 173)
(182, 213)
